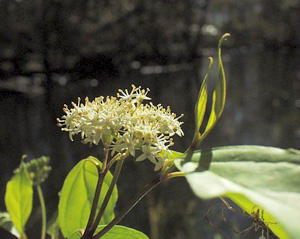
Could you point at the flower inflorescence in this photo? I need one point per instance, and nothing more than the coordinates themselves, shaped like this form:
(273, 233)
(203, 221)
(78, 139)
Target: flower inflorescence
(124, 124)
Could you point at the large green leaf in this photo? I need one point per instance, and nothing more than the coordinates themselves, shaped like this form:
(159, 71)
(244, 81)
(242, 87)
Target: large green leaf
(77, 196)
(252, 176)
(18, 199)
(117, 232)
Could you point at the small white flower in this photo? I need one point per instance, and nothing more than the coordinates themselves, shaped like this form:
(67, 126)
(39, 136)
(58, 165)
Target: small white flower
(137, 95)
(124, 124)
(125, 142)
(148, 152)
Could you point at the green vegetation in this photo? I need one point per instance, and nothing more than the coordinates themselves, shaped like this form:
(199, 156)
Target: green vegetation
(263, 181)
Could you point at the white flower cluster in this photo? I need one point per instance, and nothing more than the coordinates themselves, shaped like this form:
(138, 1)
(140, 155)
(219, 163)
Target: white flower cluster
(124, 124)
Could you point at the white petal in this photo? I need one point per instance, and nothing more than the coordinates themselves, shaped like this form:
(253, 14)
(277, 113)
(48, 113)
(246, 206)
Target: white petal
(131, 151)
(152, 159)
(141, 158)
(158, 165)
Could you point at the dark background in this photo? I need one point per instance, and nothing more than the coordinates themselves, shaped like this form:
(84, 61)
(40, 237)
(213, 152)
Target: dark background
(53, 51)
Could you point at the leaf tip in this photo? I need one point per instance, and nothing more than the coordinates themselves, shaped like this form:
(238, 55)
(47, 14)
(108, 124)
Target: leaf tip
(223, 38)
(211, 60)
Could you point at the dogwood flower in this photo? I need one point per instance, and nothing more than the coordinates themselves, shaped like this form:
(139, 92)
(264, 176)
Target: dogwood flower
(124, 124)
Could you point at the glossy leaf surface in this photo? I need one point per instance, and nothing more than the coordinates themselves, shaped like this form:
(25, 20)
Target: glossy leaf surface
(77, 196)
(117, 232)
(253, 177)
(18, 199)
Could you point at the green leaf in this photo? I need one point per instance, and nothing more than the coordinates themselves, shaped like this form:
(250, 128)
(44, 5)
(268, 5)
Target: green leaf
(18, 199)
(200, 107)
(117, 232)
(252, 176)
(77, 196)
(219, 95)
(218, 103)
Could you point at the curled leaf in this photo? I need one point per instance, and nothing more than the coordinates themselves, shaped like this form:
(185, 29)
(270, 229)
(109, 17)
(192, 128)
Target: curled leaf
(218, 103)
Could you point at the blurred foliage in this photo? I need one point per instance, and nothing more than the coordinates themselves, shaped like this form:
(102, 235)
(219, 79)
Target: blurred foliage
(38, 169)
(7, 224)
(58, 36)
(271, 23)
(55, 34)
